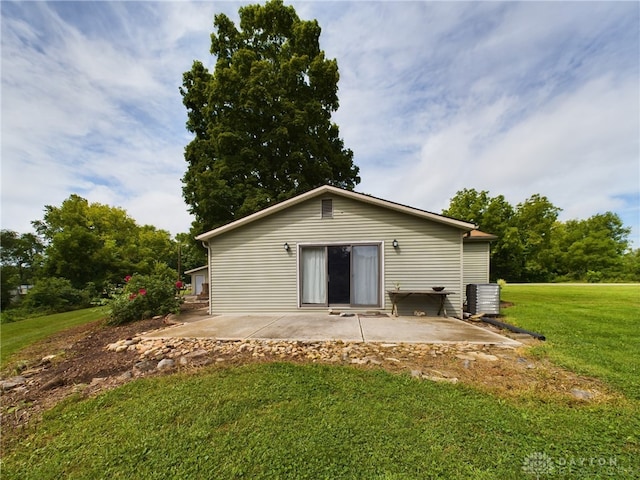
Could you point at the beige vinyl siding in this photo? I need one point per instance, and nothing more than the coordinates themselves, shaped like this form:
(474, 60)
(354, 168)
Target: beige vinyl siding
(252, 272)
(476, 262)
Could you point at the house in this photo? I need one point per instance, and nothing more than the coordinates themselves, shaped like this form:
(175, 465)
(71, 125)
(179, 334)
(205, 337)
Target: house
(333, 248)
(17, 294)
(476, 250)
(198, 279)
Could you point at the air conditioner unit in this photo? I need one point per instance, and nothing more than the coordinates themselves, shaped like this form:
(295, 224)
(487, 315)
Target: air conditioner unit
(483, 298)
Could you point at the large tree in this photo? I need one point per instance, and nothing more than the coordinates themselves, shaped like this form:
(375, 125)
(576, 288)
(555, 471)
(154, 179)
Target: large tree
(262, 119)
(535, 219)
(521, 252)
(592, 249)
(23, 251)
(533, 246)
(492, 215)
(91, 242)
(20, 258)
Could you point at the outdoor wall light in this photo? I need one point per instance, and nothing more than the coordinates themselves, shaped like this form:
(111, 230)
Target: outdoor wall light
(286, 247)
(395, 243)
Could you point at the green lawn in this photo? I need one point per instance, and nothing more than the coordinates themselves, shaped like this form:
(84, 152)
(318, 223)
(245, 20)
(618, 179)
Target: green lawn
(291, 421)
(282, 420)
(590, 329)
(17, 335)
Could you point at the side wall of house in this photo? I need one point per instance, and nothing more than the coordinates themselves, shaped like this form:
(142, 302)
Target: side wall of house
(476, 262)
(251, 271)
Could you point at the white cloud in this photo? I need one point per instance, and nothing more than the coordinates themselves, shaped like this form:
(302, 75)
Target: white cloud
(580, 151)
(516, 99)
(512, 97)
(85, 117)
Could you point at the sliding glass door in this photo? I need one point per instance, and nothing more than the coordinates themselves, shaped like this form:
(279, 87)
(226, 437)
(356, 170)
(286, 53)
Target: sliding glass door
(340, 275)
(366, 275)
(313, 275)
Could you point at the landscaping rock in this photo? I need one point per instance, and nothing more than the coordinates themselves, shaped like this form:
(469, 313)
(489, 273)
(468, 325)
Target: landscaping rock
(432, 378)
(487, 357)
(477, 356)
(172, 319)
(144, 366)
(54, 383)
(467, 357)
(33, 371)
(197, 354)
(166, 363)
(582, 394)
(12, 383)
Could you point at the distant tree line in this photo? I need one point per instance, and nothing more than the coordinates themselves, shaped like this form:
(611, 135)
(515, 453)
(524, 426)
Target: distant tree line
(534, 246)
(81, 252)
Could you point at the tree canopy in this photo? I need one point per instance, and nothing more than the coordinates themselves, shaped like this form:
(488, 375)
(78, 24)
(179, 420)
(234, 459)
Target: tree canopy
(82, 253)
(590, 249)
(90, 242)
(20, 259)
(262, 120)
(533, 246)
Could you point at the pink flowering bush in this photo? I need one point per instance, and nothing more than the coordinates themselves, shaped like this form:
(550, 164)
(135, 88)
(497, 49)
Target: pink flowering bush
(145, 296)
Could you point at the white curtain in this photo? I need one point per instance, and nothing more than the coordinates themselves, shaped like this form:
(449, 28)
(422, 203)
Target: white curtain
(314, 279)
(365, 263)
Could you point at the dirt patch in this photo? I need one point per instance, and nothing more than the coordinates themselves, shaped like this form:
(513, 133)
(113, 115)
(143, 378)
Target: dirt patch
(66, 363)
(92, 358)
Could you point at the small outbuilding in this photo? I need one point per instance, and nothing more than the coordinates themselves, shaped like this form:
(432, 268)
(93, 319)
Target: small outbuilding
(198, 279)
(336, 249)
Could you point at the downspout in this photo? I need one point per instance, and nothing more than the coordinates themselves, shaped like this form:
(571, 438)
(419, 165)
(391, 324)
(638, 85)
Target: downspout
(512, 328)
(463, 292)
(209, 282)
(460, 288)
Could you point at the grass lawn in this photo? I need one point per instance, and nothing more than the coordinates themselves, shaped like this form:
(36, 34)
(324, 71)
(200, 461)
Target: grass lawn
(17, 335)
(282, 420)
(590, 329)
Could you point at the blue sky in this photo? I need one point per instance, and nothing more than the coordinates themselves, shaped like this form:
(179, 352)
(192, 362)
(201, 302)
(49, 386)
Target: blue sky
(516, 98)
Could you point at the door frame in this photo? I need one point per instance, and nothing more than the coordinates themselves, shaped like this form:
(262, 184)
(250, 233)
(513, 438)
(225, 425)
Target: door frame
(381, 266)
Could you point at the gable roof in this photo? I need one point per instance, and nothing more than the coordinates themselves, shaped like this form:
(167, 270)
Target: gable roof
(478, 236)
(194, 270)
(328, 189)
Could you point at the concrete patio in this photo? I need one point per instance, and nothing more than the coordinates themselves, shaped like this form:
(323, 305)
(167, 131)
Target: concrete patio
(322, 327)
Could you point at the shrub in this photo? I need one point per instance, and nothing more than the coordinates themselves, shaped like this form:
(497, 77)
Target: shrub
(144, 296)
(594, 277)
(13, 315)
(55, 295)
